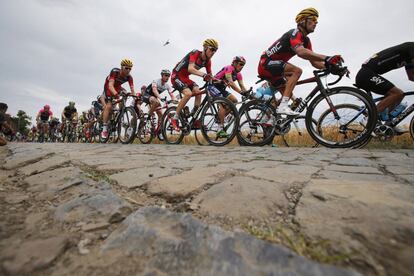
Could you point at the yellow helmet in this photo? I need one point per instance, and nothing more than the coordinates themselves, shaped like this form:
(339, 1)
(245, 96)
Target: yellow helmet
(210, 43)
(306, 13)
(126, 62)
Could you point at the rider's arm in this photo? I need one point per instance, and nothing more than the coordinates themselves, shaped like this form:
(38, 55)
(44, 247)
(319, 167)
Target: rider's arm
(170, 91)
(308, 54)
(192, 70)
(231, 83)
(155, 90)
(241, 84)
(131, 85)
(111, 87)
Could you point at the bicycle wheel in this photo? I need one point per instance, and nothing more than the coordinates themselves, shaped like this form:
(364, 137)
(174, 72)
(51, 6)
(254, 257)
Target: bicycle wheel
(144, 132)
(210, 122)
(172, 135)
(297, 135)
(127, 125)
(346, 127)
(251, 131)
(412, 127)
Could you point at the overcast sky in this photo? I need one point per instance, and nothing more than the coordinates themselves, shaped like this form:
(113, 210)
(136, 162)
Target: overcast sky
(54, 51)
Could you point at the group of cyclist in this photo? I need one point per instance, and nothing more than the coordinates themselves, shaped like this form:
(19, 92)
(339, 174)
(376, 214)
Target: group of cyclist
(274, 67)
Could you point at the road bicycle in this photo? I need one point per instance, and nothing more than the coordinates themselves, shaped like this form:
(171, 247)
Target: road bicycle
(251, 131)
(342, 130)
(384, 130)
(148, 126)
(122, 124)
(205, 118)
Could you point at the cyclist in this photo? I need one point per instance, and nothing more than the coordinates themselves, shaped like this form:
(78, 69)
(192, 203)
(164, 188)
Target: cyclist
(113, 87)
(53, 124)
(43, 117)
(369, 76)
(191, 65)
(274, 65)
(69, 114)
(228, 75)
(152, 94)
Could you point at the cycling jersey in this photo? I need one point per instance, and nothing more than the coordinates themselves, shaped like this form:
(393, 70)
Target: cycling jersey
(273, 60)
(221, 75)
(391, 58)
(180, 75)
(115, 75)
(69, 111)
(54, 123)
(44, 115)
(160, 87)
(283, 48)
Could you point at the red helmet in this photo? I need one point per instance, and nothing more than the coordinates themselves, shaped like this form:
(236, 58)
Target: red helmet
(46, 106)
(239, 59)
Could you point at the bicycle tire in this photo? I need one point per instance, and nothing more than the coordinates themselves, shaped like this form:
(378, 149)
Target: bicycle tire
(209, 117)
(127, 120)
(351, 132)
(412, 128)
(171, 135)
(250, 131)
(144, 134)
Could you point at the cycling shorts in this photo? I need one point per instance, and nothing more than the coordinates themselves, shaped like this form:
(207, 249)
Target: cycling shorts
(369, 80)
(272, 71)
(181, 83)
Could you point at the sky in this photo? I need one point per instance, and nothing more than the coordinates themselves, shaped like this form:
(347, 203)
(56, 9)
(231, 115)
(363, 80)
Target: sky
(56, 51)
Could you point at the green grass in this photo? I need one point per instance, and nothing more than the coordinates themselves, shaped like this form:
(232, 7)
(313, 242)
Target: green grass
(318, 250)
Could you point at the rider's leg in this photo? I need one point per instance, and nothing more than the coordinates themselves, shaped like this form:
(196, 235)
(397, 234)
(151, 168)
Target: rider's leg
(186, 93)
(392, 98)
(293, 74)
(106, 113)
(154, 103)
(197, 99)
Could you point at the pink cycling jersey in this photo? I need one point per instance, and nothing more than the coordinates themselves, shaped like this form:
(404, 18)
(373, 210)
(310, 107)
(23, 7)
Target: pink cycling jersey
(229, 69)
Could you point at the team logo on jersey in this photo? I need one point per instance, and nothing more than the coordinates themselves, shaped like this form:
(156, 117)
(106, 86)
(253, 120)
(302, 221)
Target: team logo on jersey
(377, 80)
(274, 49)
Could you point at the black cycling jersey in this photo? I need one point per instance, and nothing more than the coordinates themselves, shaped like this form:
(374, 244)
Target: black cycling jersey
(391, 58)
(69, 111)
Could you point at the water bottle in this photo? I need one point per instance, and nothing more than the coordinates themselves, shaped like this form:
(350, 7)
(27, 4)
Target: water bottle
(384, 115)
(398, 109)
(263, 93)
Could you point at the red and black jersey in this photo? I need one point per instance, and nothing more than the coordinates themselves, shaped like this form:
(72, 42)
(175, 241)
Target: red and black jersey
(45, 114)
(115, 74)
(283, 48)
(391, 58)
(194, 56)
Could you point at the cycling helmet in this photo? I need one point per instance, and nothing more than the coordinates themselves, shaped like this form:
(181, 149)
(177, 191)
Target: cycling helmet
(306, 13)
(72, 104)
(239, 59)
(165, 72)
(46, 106)
(126, 62)
(210, 43)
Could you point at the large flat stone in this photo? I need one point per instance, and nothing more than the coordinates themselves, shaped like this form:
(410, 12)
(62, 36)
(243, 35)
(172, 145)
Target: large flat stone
(285, 173)
(183, 184)
(138, 177)
(33, 255)
(43, 165)
(243, 197)
(177, 244)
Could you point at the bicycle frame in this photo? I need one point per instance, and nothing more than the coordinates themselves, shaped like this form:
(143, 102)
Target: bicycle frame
(395, 121)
